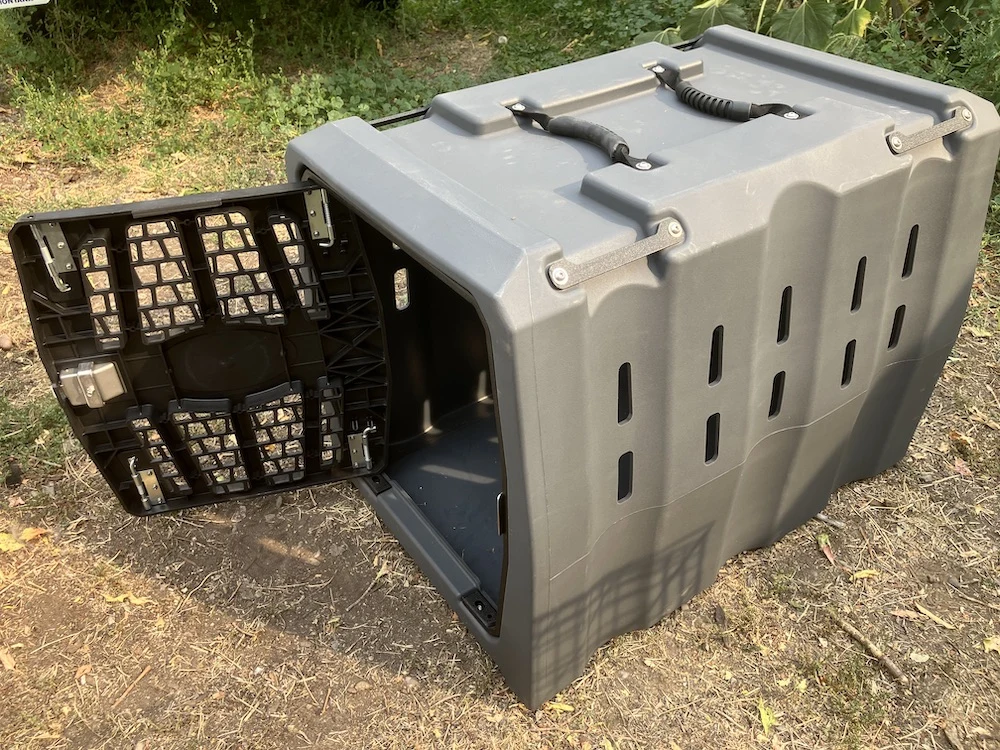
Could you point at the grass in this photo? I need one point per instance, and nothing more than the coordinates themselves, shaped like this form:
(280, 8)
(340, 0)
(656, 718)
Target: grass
(250, 645)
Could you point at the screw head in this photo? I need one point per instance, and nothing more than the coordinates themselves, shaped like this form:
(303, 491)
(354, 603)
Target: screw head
(517, 107)
(559, 276)
(658, 69)
(674, 228)
(645, 166)
(896, 142)
(791, 115)
(966, 114)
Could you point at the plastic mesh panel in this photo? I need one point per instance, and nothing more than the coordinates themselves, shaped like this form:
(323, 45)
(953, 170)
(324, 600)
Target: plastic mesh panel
(276, 417)
(158, 454)
(163, 286)
(207, 430)
(331, 409)
(243, 286)
(300, 269)
(95, 267)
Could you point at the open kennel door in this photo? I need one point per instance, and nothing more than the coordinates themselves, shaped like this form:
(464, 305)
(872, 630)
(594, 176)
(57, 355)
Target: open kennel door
(230, 345)
(211, 347)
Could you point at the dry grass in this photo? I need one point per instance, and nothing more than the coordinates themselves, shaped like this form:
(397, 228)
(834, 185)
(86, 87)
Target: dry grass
(299, 622)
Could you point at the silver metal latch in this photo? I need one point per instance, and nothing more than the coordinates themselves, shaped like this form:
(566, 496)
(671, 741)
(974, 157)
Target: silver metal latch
(320, 222)
(55, 252)
(361, 457)
(146, 483)
(91, 384)
(961, 119)
(566, 273)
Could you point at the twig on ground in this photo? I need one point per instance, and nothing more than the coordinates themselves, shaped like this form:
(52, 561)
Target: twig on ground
(830, 521)
(131, 687)
(875, 651)
(384, 570)
(930, 615)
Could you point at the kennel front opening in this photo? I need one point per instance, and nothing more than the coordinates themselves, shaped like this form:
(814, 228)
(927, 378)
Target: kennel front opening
(444, 445)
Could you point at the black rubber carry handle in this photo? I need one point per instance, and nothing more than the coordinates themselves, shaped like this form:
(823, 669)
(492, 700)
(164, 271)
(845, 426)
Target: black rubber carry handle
(718, 106)
(710, 104)
(573, 127)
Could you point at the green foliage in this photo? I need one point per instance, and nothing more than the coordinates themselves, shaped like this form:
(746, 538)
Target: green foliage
(605, 25)
(711, 13)
(810, 23)
(33, 433)
(855, 23)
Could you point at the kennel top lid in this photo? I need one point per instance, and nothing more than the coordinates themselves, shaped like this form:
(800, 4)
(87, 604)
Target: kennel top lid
(849, 123)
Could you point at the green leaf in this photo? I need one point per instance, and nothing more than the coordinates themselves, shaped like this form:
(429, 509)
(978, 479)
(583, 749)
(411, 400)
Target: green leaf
(711, 13)
(667, 36)
(767, 717)
(854, 23)
(809, 24)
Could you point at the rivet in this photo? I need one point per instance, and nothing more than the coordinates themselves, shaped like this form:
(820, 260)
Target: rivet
(896, 142)
(643, 165)
(966, 114)
(791, 115)
(559, 276)
(658, 69)
(517, 107)
(674, 228)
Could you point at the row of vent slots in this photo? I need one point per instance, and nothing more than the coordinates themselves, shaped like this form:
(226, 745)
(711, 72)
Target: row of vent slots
(714, 422)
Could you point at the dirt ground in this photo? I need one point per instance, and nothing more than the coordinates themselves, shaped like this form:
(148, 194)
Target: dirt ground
(298, 621)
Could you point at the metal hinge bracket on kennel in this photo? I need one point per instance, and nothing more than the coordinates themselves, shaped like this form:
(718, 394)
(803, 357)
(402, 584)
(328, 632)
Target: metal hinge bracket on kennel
(55, 252)
(146, 484)
(320, 223)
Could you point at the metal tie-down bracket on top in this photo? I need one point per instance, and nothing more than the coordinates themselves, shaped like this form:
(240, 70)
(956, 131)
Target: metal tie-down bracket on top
(567, 273)
(961, 119)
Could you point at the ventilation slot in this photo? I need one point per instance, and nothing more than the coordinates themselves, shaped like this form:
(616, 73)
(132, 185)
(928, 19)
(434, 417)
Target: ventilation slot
(624, 392)
(158, 454)
(897, 326)
(331, 409)
(715, 363)
(848, 372)
(625, 477)
(298, 264)
(276, 418)
(911, 250)
(859, 285)
(777, 394)
(242, 286)
(785, 316)
(401, 284)
(206, 426)
(98, 281)
(712, 438)
(163, 287)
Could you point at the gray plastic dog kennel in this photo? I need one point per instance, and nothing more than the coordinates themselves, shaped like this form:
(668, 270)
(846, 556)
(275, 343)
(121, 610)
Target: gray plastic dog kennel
(579, 336)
